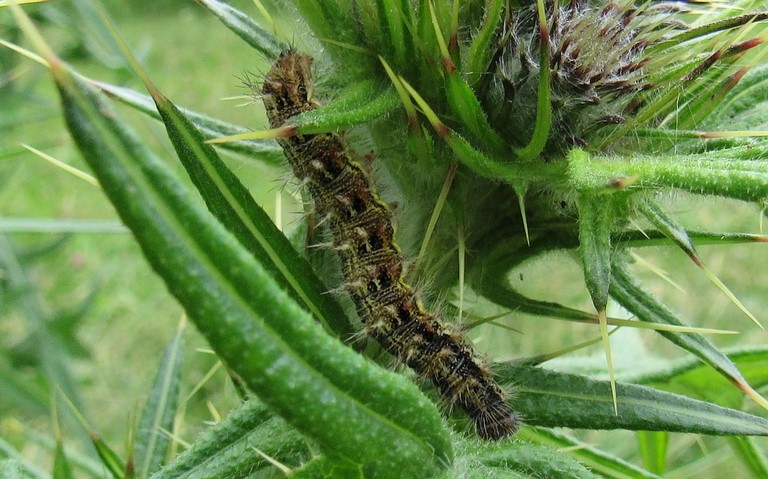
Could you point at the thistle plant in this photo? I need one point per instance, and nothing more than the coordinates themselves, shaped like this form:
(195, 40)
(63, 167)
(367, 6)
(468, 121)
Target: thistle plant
(502, 131)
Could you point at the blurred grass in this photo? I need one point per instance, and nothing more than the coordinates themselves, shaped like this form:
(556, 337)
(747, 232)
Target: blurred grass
(196, 62)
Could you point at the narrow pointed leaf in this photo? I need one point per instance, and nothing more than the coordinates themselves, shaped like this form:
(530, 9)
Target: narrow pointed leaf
(596, 460)
(267, 152)
(246, 28)
(669, 227)
(357, 104)
(533, 461)
(596, 217)
(317, 384)
(646, 308)
(392, 16)
(691, 376)
(595, 226)
(480, 51)
(745, 180)
(331, 20)
(229, 200)
(549, 398)
(653, 449)
(109, 458)
(227, 449)
(61, 466)
(157, 417)
(470, 113)
(751, 454)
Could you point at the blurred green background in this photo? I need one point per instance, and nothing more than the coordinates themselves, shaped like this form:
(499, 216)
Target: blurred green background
(114, 347)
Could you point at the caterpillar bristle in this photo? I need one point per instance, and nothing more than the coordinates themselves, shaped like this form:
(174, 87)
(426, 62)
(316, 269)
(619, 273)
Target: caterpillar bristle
(371, 261)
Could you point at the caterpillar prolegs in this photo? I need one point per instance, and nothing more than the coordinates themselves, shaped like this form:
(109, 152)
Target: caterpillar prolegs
(372, 264)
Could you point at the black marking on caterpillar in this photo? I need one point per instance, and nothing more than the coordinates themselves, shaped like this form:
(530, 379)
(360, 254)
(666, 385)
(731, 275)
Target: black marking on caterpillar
(363, 237)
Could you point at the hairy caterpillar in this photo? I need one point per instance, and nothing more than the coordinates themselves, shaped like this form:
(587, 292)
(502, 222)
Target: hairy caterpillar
(363, 237)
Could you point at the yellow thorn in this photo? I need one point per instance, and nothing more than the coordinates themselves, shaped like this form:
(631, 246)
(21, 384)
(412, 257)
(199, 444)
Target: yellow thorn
(521, 202)
(283, 468)
(68, 168)
(730, 295)
(608, 357)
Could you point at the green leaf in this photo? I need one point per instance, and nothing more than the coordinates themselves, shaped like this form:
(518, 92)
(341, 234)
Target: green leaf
(653, 449)
(157, 417)
(751, 455)
(267, 152)
(16, 469)
(61, 467)
(645, 307)
(748, 94)
(357, 104)
(549, 398)
(398, 44)
(668, 227)
(596, 214)
(109, 458)
(690, 376)
(480, 51)
(231, 203)
(470, 112)
(245, 28)
(596, 460)
(229, 449)
(719, 173)
(333, 20)
(532, 461)
(49, 351)
(321, 387)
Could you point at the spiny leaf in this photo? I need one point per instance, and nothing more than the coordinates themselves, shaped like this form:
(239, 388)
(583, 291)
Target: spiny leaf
(233, 205)
(479, 53)
(158, 413)
(245, 28)
(596, 217)
(267, 152)
(226, 450)
(532, 461)
(596, 460)
(646, 308)
(549, 398)
(357, 104)
(255, 327)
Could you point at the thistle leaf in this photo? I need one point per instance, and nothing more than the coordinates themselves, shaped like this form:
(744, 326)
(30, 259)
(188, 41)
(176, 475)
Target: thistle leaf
(227, 449)
(596, 460)
(233, 205)
(257, 330)
(158, 414)
(245, 28)
(553, 399)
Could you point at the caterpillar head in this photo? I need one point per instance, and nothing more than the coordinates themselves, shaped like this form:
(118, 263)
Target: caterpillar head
(288, 87)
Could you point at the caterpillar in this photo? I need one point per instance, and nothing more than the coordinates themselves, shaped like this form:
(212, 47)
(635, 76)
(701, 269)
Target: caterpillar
(372, 264)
